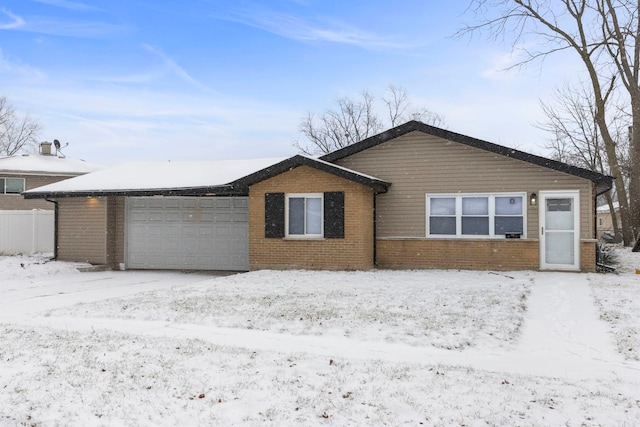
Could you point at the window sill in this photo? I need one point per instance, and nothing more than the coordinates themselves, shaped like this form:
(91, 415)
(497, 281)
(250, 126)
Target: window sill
(461, 239)
(313, 238)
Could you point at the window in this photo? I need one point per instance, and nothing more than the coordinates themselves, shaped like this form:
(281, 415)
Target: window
(11, 185)
(304, 215)
(475, 215)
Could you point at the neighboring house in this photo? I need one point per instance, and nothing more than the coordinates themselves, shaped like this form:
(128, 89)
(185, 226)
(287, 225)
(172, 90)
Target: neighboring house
(27, 226)
(27, 171)
(604, 220)
(415, 196)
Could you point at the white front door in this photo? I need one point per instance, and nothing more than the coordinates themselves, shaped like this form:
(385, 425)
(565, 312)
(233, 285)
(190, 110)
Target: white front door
(560, 230)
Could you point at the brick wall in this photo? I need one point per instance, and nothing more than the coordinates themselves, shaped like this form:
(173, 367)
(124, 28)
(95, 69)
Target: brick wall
(354, 252)
(469, 254)
(588, 255)
(115, 231)
(82, 229)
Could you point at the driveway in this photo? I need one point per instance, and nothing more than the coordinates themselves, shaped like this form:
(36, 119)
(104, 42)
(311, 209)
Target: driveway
(23, 298)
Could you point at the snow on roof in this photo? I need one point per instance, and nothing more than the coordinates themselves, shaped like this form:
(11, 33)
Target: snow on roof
(605, 208)
(158, 176)
(45, 165)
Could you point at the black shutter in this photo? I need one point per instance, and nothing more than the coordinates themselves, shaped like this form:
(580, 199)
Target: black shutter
(334, 215)
(274, 215)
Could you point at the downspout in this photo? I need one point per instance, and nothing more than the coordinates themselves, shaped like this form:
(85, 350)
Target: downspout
(55, 228)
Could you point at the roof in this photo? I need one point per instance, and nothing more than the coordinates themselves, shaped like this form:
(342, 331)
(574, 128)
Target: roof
(156, 178)
(377, 184)
(604, 182)
(605, 208)
(38, 164)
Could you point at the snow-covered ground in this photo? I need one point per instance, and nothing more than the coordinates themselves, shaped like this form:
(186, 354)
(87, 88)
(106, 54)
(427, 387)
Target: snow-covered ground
(318, 348)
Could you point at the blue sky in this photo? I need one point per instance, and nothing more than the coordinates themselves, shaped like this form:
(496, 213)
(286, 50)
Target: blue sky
(141, 80)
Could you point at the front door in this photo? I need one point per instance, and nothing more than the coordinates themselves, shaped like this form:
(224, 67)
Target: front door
(560, 230)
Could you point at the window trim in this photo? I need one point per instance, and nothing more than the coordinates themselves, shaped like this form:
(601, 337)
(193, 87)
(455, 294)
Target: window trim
(289, 196)
(458, 214)
(4, 186)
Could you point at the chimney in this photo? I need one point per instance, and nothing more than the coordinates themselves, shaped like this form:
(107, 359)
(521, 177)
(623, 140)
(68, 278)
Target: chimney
(45, 148)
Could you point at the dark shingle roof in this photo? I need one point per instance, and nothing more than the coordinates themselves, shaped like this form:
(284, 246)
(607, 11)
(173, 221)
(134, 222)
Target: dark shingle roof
(604, 182)
(378, 185)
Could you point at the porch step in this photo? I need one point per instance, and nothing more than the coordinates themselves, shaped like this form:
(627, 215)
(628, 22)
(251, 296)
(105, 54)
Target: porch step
(89, 268)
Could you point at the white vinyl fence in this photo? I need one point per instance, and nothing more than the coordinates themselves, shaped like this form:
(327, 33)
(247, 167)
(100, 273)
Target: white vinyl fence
(26, 232)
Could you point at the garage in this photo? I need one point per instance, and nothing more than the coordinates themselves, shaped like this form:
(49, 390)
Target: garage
(187, 233)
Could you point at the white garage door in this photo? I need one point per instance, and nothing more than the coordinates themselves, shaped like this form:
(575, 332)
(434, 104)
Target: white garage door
(187, 233)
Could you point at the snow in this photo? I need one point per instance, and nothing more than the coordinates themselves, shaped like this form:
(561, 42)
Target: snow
(42, 164)
(317, 348)
(157, 176)
(605, 208)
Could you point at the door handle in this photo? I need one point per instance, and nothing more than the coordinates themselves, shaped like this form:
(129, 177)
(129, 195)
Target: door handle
(543, 231)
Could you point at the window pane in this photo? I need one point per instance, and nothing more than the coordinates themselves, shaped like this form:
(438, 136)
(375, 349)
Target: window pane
(478, 226)
(559, 214)
(475, 206)
(314, 215)
(296, 215)
(559, 248)
(15, 185)
(509, 205)
(442, 206)
(1, 185)
(509, 224)
(442, 225)
(559, 205)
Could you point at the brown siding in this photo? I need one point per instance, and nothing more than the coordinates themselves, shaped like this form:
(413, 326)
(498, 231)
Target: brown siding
(354, 252)
(17, 202)
(417, 164)
(82, 230)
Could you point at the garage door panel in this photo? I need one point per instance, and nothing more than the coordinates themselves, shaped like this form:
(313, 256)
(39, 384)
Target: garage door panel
(187, 233)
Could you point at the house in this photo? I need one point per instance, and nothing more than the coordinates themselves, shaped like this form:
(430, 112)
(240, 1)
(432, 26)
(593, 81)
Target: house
(604, 221)
(415, 196)
(27, 226)
(27, 171)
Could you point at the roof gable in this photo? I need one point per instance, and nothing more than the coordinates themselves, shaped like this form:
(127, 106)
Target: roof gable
(604, 182)
(378, 185)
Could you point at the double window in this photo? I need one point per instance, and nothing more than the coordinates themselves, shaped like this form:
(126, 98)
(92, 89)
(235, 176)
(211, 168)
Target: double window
(475, 215)
(11, 185)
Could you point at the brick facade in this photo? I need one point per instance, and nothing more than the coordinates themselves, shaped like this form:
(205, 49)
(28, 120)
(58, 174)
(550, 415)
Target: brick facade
(353, 252)
(470, 254)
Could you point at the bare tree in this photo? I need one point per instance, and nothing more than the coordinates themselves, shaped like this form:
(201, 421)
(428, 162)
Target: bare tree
(605, 36)
(575, 136)
(355, 120)
(17, 133)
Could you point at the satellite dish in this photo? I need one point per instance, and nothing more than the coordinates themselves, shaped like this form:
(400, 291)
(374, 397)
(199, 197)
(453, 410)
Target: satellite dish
(56, 143)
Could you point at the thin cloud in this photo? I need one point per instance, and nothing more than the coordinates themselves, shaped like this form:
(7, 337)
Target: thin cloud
(87, 29)
(176, 69)
(68, 4)
(16, 21)
(299, 29)
(23, 72)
